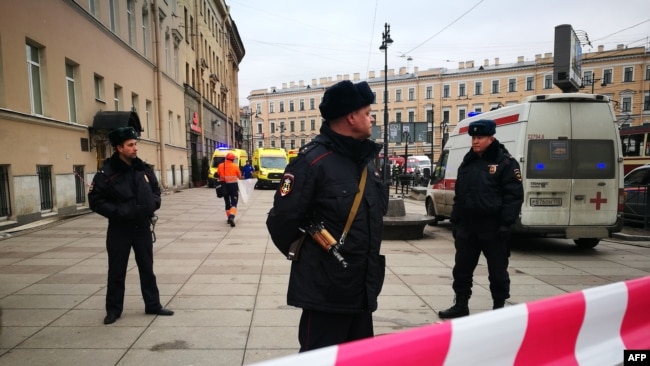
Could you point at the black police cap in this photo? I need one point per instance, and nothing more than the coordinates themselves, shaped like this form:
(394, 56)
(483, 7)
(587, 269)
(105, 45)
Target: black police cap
(482, 127)
(119, 135)
(345, 97)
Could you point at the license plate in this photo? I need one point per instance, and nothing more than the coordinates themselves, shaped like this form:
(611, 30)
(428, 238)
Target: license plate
(275, 181)
(546, 201)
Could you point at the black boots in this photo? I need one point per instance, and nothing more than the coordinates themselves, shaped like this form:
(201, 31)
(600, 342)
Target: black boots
(459, 309)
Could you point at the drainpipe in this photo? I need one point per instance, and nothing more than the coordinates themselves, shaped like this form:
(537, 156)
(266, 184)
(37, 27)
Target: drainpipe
(158, 90)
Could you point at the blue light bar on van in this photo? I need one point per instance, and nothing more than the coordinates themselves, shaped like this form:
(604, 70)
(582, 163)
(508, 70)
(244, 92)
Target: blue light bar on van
(473, 113)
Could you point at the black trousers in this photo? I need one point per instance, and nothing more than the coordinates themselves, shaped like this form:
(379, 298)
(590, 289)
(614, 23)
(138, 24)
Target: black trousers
(119, 241)
(471, 240)
(319, 329)
(231, 197)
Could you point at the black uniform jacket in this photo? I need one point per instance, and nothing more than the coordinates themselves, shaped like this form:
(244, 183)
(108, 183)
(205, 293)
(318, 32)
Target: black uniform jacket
(322, 183)
(488, 187)
(127, 195)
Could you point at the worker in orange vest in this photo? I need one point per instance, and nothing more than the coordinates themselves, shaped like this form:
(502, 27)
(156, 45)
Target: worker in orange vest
(229, 174)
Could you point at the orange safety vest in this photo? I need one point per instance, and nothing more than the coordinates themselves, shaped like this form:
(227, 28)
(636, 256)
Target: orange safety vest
(228, 172)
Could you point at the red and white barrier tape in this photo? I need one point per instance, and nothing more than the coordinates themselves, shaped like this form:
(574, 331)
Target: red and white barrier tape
(589, 327)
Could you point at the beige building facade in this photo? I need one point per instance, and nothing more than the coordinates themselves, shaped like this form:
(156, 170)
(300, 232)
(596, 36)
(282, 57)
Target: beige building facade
(72, 70)
(429, 102)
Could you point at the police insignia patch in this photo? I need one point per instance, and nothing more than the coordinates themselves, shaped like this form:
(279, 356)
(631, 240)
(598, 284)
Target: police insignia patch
(286, 185)
(492, 168)
(517, 174)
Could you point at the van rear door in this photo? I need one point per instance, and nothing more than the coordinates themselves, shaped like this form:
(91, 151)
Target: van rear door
(571, 169)
(594, 165)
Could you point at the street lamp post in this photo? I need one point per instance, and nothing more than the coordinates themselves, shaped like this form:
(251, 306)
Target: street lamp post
(405, 137)
(444, 133)
(385, 42)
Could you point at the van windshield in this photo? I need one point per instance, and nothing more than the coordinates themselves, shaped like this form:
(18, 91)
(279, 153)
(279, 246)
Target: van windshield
(273, 162)
(571, 159)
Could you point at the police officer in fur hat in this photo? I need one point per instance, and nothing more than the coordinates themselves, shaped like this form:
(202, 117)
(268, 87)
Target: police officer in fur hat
(126, 192)
(487, 201)
(320, 186)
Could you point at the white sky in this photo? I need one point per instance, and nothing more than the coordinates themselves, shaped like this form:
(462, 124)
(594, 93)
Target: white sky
(293, 40)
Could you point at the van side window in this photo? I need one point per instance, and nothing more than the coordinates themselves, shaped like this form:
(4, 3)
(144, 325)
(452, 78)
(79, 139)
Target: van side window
(571, 159)
(439, 171)
(632, 145)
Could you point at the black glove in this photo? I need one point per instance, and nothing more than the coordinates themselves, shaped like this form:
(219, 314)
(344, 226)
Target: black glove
(504, 234)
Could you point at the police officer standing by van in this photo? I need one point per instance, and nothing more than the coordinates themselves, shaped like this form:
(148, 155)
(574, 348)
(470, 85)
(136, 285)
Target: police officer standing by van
(126, 192)
(487, 201)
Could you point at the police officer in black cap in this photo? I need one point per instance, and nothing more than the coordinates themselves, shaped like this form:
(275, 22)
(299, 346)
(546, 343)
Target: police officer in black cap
(126, 192)
(320, 185)
(487, 201)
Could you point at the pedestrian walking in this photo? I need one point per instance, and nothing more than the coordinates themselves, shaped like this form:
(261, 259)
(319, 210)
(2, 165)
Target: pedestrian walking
(248, 170)
(126, 192)
(330, 204)
(229, 174)
(487, 201)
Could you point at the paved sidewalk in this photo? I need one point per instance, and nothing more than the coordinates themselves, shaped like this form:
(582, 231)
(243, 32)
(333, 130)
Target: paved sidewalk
(226, 285)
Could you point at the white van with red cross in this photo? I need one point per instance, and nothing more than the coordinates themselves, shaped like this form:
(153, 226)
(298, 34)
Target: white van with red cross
(571, 163)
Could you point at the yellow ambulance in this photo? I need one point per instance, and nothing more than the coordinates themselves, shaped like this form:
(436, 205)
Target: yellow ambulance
(269, 164)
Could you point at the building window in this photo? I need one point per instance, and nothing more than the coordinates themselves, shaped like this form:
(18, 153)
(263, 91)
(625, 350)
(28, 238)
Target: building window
(495, 86)
(445, 91)
(398, 116)
(272, 143)
(646, 101)
(461, 90)
(291, 106)
(512, 85)
(429, 92)
(80, 188)
(259, 129)
(647, 72)
(272, 127)
(411, 116)
(461, 114)
(168, 44)
(292, 144)
(302, 104)
(112, 15)
(92, 7)
(445, 115)
(292, 126)
(628, 74)
(271, 107)
(478, 88)
(302, 125)
(145, 31)
(429, 115)
(170, 126)
(134, 102)
(302, 142)
(626, 104)
(117, 96)
(312, 104)
(148, 117)
(313, 124)
(411, 93)
(548, 82)
(398, 95)
(99, 87)
(34, 76)
(607, 76)
(5, 205)
(130, 19)
(72, 98)
(281, 106)
(530, 83)
(587, 77)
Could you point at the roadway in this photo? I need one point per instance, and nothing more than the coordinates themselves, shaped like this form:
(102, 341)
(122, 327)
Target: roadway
(228, 286)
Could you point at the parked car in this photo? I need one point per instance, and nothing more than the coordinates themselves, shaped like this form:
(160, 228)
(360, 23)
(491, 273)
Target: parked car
(636, 186)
